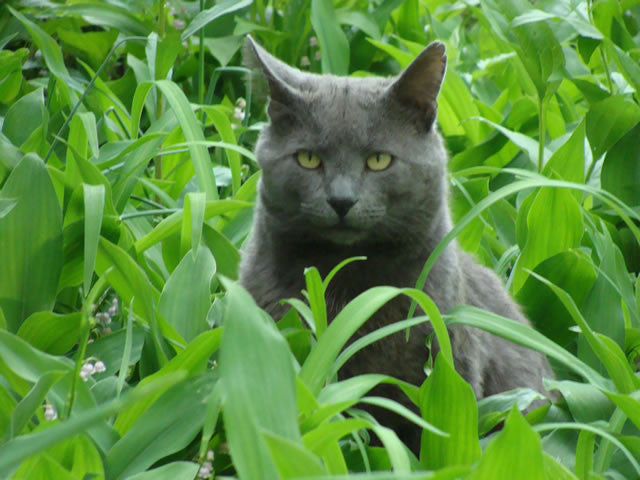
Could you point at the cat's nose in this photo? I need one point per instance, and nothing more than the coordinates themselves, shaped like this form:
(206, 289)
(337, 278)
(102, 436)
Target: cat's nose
(342, 205)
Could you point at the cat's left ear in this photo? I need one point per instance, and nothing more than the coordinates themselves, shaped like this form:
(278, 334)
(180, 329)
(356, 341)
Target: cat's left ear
(419, 84)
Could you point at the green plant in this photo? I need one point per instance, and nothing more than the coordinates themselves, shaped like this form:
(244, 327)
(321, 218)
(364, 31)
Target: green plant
(126, 184)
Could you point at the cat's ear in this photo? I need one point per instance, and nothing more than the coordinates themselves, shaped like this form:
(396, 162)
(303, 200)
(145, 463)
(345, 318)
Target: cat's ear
(419, 84)
(281, 78)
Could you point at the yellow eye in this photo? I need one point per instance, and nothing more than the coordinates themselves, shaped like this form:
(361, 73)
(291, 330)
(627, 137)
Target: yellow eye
(379, 161)
(308, 159)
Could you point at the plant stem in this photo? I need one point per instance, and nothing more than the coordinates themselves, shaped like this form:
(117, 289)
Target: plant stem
(542, 132)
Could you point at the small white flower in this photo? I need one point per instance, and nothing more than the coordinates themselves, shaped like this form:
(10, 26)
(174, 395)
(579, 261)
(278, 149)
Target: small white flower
(86, 371)
(179, 24)
(238, 114)
(205, 470)
(241, 103)
(50, 413)
(304, 61)
(113, 309)
(210, 455)
(313, 42)
(103, 318)
(318, 55)
(99, 367)
(268, 13)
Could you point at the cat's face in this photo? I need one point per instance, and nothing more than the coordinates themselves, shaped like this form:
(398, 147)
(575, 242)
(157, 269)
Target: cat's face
(351, 160)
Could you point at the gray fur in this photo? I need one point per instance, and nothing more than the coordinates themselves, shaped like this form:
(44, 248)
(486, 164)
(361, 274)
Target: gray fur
(399, 216)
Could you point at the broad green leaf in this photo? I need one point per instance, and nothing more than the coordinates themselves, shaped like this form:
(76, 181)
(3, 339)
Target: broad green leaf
(584, 454)
(572, 271)
(464, 197)
(20, 448)
(127, 278)
(30, 242)
(24, 117)
(568, 161)
(210, 14)
(515, 453)
(609, 353)
(315, 292)
(157, 434)
(333, 42)
(92, 47)
(186, 308)
(172, 223)
(291, 459)
(225, 253)
(554, 224)
(31, 402)
(258, 381)
(50, 332)
(192, 221)
(108, 15)
(492, 410)
(620, 172)
(192, 360)
(361, 20)
(221, 121)
(50, 49)
(448, 403)
(536, 46)
(170, 471)
(608, 121)
(193, 133)
(93, 211)
(524, 335)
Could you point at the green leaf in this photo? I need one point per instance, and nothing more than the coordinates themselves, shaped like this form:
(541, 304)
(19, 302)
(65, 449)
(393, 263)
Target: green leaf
(209, 15)
(524, 335)
(20, 448)
(333, 42)
(554, 224)
(448, 403)
(127, 278)
(315, 292)
(291, 459)
(156, 434)
(258, 380)
(30, 242)
(173, 222)
(170, 471)
(608, 121)
(620, 174)
(24, 117)
(93, 211)
(186, 309)
(361, 20)
(192, 360)
(52, 332)
(31, 402)
(192, 221)
(515, 453)
(609, 353)
(107, 15)
(192, 133)
(221, 121)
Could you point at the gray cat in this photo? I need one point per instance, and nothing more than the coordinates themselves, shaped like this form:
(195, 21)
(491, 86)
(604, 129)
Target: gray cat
(356, 166)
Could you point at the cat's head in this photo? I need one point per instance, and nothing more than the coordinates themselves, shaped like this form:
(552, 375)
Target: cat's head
(352, 160)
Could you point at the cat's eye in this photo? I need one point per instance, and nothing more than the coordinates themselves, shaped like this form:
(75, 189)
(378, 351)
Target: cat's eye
(308, 159)
(379, 161)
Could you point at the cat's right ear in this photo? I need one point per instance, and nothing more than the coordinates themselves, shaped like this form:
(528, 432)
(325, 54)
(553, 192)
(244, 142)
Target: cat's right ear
(281, 79)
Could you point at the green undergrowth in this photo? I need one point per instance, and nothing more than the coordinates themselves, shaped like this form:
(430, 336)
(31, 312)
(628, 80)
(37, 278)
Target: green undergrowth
(127, 181)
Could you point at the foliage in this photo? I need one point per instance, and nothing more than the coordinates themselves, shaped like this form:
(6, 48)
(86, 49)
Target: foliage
(128, 351)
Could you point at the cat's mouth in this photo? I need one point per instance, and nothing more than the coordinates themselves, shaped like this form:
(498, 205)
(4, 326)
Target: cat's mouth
(343, 234)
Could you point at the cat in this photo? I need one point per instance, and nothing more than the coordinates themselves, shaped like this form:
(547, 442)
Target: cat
(356, 166)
